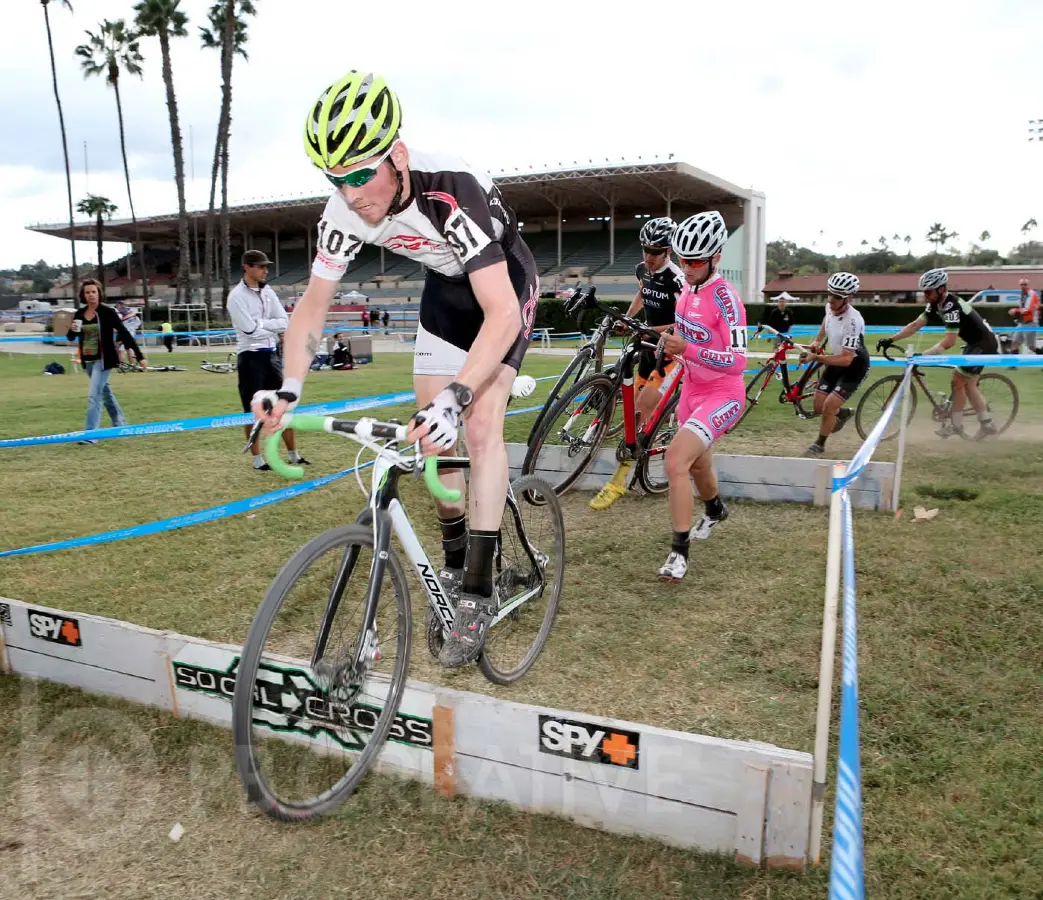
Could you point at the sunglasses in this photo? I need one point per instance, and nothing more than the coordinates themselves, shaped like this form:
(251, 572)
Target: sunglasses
(359, 177)
(694, 263)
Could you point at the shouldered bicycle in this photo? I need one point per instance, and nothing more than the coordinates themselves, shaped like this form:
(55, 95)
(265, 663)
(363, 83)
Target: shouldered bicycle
(573, 430)
(796, 392)
(342, 604)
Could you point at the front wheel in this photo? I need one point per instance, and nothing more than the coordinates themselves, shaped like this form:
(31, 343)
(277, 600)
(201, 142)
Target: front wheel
(576, 370)
(875, 400)
(572, 432)
(528, 574)
(305, 737)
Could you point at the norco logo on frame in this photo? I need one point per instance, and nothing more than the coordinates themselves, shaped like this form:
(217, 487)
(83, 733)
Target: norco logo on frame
(56, 629)
(590, 743)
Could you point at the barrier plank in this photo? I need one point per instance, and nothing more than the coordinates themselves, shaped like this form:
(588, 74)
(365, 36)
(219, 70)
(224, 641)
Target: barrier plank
(749, 799)
(769, 479)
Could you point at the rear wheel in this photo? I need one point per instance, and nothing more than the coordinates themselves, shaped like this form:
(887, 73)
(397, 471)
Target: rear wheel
(572, 433)
(805, 401)
(528, 572)
(651, 469)
(754, 388)
(1001, 399)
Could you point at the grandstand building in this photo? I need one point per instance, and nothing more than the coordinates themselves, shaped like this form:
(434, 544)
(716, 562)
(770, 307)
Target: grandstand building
(581, 224)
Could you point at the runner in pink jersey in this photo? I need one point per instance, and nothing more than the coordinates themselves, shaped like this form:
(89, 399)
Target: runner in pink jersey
(709, 336)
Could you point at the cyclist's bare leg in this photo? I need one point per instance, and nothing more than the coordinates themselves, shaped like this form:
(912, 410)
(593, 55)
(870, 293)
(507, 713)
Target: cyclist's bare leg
(483, 424)
(830, 405)
(682, 462)
(959, 398)
(704, 476)
(646, 403)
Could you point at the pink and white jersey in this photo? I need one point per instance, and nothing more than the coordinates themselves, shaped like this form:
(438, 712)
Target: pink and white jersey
(713, 321)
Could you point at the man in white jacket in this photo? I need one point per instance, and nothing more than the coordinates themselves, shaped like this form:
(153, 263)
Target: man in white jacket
(259, 319)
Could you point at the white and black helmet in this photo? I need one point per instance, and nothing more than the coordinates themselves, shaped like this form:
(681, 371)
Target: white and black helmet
(700, 236)
(934, 278)
(657, 232)
(843, 284)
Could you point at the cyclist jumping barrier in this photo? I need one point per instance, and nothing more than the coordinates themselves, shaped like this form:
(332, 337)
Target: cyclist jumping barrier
(748, 800)
(772, 479)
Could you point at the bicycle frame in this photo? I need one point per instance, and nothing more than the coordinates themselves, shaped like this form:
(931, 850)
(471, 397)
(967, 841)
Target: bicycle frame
(637, 441)
(387, 516)
(792, 391)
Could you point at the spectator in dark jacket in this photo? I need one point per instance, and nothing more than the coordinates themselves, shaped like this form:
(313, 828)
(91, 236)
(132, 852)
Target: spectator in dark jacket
(97, 327)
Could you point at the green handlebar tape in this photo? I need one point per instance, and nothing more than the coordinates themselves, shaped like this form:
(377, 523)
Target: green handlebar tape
(438, 490)
(271, 444)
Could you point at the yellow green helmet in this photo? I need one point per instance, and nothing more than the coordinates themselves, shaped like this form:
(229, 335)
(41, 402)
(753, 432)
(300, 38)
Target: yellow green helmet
(355, 118)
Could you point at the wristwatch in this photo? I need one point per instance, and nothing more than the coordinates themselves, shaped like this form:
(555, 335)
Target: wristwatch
(463, 394)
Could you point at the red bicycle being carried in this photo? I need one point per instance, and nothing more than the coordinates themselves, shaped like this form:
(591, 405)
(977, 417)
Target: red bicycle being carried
(797, 392)
(574, 428)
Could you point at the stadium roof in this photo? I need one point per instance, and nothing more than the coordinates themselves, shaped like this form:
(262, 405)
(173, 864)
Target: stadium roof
(631, 187)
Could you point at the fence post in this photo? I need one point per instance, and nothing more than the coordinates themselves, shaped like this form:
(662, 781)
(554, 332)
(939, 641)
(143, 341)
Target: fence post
(826, 663)
(901, 438)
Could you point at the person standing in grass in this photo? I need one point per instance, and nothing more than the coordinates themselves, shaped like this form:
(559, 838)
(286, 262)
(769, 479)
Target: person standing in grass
(97, 327)
(259, 321)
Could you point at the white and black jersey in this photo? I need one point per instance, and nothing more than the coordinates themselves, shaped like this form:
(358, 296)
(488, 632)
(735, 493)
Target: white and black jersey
(659, 291)
(455, 223)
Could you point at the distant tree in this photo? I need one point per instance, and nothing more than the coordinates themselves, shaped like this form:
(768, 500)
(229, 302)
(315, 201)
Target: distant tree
(1028, 226)
(984, 236)
(1028, 253)
(937, 234)
(101, 208)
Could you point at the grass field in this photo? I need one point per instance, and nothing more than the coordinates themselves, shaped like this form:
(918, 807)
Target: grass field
(950, 630)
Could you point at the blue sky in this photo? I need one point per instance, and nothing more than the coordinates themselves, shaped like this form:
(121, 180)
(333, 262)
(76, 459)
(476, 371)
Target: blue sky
(855, 120)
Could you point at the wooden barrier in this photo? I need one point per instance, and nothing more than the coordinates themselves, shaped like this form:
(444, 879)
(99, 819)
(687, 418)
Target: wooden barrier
(776, 479)
(746, 799)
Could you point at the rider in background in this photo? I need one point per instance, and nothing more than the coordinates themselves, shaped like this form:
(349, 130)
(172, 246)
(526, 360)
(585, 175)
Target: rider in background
(1025, 314)
(846, 364)
(962, 320)
(660, 282)
(709, 338)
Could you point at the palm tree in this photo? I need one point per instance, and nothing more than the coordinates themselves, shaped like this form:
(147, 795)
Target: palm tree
(65, 145)
(113, 48)
(937, 235)
(1028, 226)
(162, 19)
(908, 242)
(228, 30)
(101, 209)
(984, 236)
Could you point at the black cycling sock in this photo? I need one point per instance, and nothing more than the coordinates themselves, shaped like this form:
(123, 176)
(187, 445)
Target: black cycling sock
(680, 544)
(714, 508)
(454, 541)
(821, 440)
(478, 568)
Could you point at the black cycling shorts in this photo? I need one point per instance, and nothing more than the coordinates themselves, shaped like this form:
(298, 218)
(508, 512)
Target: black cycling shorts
(450, 316)
(844, 380)
(990, 348)
(258, 370)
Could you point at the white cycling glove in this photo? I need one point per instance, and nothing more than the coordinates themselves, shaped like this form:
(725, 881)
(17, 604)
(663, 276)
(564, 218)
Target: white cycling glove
(523, 386)
(442, 415)
(290, 392)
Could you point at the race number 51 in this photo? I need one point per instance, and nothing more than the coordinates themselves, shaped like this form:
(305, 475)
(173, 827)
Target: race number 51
(56, 629)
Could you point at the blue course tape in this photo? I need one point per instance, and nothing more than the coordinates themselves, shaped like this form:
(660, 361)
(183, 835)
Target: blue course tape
(206, 515)
(865, 453)
(204, 423)
(196, 518)
(847, 866)
(989, 361)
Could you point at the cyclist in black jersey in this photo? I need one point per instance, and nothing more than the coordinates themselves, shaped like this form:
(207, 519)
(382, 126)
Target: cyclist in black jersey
(960, 320)
(476, 312)
(660, 282)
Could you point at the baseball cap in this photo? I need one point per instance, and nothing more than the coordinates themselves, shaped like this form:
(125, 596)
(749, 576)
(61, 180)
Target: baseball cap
(255, 258)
